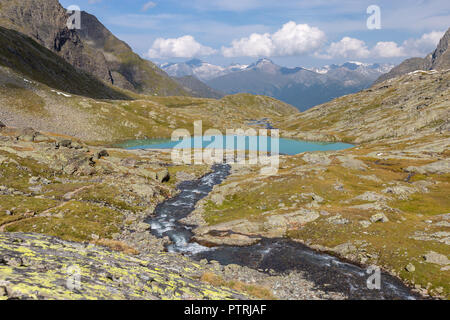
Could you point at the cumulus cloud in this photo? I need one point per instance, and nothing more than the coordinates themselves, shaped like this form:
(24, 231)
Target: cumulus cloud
(424, 45)
(183, 47)
(346, 48)
(388, 50)
(291, 39)
(355, 48)
(409, 48)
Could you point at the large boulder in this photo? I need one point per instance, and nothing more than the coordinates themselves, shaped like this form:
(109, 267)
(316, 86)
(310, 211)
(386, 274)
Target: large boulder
(436, 258)
(438, 167)
(27, 134)
(2, 125)
(65, 143)
(163, 175)
(101, 154)
(79, 165)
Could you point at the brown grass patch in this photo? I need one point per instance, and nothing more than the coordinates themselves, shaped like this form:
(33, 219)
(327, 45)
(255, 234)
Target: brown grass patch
(116, 246)
(256, 291)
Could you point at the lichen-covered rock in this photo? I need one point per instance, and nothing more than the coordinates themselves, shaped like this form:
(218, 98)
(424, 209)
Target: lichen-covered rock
(40, 267)
(379, 217)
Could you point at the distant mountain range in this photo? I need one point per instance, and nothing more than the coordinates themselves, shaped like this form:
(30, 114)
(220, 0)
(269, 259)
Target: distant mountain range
(300, 87)
(200, 69)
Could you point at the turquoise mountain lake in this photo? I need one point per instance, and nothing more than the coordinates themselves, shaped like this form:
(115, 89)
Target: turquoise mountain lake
(262, 144)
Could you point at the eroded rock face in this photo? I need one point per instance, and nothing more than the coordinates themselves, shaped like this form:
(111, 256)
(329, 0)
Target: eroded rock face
(46, 22)
(30, 264)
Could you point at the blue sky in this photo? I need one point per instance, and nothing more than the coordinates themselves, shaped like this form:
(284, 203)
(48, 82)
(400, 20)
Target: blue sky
(307, 33)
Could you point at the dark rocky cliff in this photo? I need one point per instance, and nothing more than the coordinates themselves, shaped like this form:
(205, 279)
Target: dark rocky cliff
(93, 49)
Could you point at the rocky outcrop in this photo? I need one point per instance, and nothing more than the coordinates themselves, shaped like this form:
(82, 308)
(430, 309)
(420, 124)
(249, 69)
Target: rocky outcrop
(126, 69)
(244, 232)
(441, 56)
(29, 57)
(46, 22)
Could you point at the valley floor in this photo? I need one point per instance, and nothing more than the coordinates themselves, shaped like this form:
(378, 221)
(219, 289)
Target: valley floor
(382, 203)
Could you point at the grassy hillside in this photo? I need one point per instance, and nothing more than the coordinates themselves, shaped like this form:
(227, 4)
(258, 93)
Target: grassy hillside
(411, 105)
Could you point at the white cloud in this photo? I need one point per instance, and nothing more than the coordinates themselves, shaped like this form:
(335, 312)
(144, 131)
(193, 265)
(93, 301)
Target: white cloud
(351, 48)
(346, 48)
(424, 45)
(410, 48)
(183, 47)
(149, 5)
(388, 50)
(254, 46)
(291, 39)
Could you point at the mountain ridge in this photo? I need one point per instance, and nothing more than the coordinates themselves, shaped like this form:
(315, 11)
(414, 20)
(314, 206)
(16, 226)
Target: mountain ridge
(301, 87)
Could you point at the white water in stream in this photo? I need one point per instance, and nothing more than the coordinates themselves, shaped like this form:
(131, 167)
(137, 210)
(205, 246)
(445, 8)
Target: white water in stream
(280, 255)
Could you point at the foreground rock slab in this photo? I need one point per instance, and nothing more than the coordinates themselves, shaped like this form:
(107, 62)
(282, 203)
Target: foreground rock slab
(40, 267)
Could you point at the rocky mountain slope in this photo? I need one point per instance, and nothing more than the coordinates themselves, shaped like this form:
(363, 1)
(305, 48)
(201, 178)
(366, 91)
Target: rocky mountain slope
(21, 53)
(298, 86)
(28, 103)
(93, 48)
(198, 89)
(438, 60)
(412, 105)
